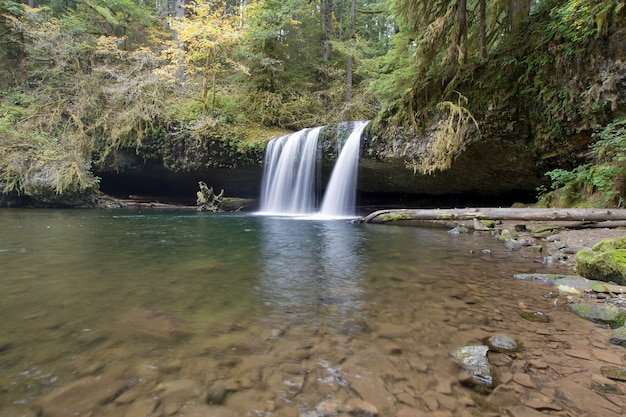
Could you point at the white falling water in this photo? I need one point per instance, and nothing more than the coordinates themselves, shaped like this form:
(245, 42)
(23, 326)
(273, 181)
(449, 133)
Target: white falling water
(291, 174)
(340, 196)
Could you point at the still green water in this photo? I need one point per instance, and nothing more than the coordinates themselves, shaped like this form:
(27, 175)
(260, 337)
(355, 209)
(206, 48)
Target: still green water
(69, 279)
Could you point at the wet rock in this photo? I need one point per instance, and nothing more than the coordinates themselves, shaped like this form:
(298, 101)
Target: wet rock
(14, 412)
(458, 230)
(524, 380)
(502, 343)
(618, 337)
(600, 313)
(360, 408)
(602, 265)
(215, 394)
(179, 391)
(142, 408)
(523, 411)
(473, 359)
(603, 384)
(605, 356)
(328, 408)
(354, 326)
(536, 316)
(370, 388)
(479, 225)
(603, 287)
(578, 354)
(199, 410)
(503, 396)
(393, 331)
(154, 324)
(83, 395)
(617, 373)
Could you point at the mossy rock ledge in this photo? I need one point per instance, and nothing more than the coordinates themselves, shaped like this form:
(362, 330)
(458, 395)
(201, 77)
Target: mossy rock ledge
(606, 261)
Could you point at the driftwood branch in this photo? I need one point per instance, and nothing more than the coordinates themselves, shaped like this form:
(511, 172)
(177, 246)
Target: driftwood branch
(587, 216)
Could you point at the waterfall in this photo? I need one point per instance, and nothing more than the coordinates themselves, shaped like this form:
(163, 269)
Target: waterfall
(292, 172)
(340, 196)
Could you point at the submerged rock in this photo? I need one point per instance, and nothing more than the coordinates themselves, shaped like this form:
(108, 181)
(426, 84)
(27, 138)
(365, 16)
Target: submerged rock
(617, 373)
(600, 313)
(82, 396)
(502, 343)
(473, 359)
(536, 316)
(618, 337)
(154, 324)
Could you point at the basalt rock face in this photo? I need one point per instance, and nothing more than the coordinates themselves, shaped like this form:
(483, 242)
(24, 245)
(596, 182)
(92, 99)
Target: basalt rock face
(499, 166)
(500, 163)
(171, 170)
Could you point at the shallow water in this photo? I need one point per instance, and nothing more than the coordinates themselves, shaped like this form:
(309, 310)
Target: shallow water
(231, 298)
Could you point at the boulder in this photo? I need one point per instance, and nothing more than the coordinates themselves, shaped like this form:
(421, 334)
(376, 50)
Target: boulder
(502, 343)
(618, 336)
(605, 262)
(153, 324)
(80, 397)
(600, 313)
(473, 359)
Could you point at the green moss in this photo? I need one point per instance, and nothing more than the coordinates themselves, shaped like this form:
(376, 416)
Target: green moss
(546, 228)
(607, 314)
(537, 316)
(602, 266)
(488, 223)
(391, 217)
(483, 403)
(610, 244)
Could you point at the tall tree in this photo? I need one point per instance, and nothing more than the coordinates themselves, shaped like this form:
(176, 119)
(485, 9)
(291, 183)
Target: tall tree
(482, 16)
(349, 69)
(518, 11)
(327, 23)
(210, 34)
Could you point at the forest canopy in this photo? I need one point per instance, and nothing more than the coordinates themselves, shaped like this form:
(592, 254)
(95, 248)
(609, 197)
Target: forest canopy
(80, 79)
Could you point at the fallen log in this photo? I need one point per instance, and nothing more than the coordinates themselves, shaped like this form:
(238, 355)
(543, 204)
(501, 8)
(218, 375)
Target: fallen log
(524, 214)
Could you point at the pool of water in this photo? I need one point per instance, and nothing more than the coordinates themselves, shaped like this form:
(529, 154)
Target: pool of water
(173, 296)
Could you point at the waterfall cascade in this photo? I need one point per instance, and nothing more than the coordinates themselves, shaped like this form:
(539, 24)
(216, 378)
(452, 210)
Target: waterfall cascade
(292, 174)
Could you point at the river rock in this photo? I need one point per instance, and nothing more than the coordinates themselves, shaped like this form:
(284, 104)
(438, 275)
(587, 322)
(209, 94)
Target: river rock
(602, 265)
(179, 391)
(617, 373)
(502, 343)
(536, 316)
(370, 388)
(473, 359)
(603, 287)
(215, 394)
(152, 323)
(142, 408)
(618, 336)
(600, 313)
(523, 411)
(83, 395)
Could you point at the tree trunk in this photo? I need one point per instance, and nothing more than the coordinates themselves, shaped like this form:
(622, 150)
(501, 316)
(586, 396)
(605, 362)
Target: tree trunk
(529, 214)
(463, 31)
(483, 29)
(349, 69)
(327, 24)
(518, 11)
(349, 80)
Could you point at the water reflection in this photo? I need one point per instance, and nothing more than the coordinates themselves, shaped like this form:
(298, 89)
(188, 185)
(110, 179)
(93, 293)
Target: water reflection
(311, 268)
